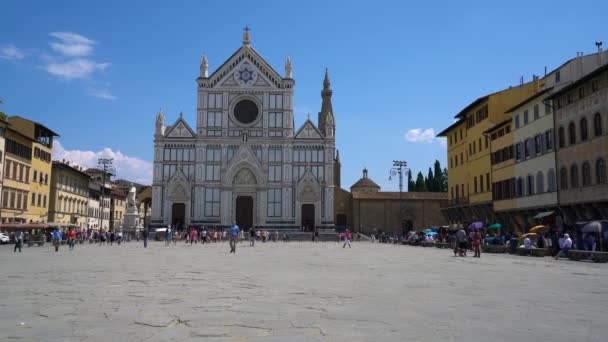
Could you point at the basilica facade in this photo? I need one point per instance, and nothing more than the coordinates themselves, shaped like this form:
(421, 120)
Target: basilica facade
(245, 162)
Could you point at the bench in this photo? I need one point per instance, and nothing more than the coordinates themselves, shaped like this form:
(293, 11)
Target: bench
(427, 244)
(576, 255)
(537, 252)
(494, 249)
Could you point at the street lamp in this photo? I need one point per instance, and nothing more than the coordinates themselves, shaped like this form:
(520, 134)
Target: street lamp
(107, 168)
(399, 167)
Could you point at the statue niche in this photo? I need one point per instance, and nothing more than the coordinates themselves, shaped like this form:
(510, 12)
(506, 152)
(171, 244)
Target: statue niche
(244, 177)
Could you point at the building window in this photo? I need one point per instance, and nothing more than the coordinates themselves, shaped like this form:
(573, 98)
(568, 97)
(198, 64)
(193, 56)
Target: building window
(517, 121)
(562, 137)
(563, 178)
(214, 119)
(212, 202)
(35, 177)
(520, 187)
(525, 117)
(40, 200)
(518, 151)
(551, 180)
(597, 124)
(594, 86)
(527, 148)
(574, 176)
(572, 133)
(275, 120)
(475, 184)
(600, 171)
(530, 185)
(215, 101)
(536, 112)
(540, 183)
(557, 77)
(583, 129)
(586, 174)
(581, 92)
(274, 202)
(488, 181)
(538, 144)
(549, 139)
(33, 198)
(547, 108)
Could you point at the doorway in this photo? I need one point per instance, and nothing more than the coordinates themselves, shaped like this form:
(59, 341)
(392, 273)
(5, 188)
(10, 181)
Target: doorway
(244, 212)
(178, 214)
(342, 220)
(308, 217)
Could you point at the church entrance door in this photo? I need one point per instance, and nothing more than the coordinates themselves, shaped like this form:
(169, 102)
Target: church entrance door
(308, 217)
(244, 212)
(178, 214)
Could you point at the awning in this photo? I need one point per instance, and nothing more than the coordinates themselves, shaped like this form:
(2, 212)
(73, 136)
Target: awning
(24, 226)
(544, 214)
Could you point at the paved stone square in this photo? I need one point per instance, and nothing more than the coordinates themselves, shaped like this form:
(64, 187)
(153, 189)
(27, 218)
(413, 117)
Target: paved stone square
(298, 291)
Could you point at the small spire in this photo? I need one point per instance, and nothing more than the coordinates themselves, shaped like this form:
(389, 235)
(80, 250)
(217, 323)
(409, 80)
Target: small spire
(246, 36)
(307, 115)
(288, 68)
(365, 172)
(326, 83)
(204, 67)
(337, 155)
(181, 115)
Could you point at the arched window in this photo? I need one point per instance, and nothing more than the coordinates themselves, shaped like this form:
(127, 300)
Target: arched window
(586, 174)
(562, 137)
(572, 133)
(584, 129)
(551, 180)
(540, 183)
(597, 124)
(574, 176)
(600, 171)
(563, 178)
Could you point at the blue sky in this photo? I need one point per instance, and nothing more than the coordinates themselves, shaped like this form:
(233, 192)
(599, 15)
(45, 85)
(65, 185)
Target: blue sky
(97, 72)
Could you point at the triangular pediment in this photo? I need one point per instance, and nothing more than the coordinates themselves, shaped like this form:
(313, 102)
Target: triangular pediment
(308, 187)
(178, 185)
(244, 157)
(180, 129)
(308, 130)
(245, 68)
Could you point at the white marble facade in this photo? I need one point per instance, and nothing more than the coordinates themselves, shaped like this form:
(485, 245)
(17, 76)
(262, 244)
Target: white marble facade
(245, 162)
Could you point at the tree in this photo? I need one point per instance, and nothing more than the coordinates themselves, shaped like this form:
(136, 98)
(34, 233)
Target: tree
(444, 185)
(2, 115)
(430, 181)
(411, 186)
(439, 179)
(420, 184)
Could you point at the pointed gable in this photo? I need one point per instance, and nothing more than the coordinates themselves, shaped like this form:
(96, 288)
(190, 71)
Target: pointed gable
(308, 131)
(249, 55)
(180, 129)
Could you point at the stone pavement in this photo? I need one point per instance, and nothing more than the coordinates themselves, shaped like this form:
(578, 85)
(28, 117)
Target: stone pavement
(299, 291)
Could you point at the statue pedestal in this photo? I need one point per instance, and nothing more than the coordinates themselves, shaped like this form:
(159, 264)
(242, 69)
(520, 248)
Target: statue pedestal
(131, 222)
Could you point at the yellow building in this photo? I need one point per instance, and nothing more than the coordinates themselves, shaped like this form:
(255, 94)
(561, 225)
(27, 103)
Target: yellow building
(502, 159)
(469, 167)
(118, 207)
(16, 183)
(41, 156)
(69, 195)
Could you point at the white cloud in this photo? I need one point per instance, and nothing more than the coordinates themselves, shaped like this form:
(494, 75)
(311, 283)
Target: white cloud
(426, 135)
(76, 68)
(11, 52)
(103, 94)
(72, 44)
(129, 168)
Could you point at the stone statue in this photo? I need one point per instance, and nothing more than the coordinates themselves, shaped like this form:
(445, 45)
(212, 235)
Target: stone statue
(131, 203)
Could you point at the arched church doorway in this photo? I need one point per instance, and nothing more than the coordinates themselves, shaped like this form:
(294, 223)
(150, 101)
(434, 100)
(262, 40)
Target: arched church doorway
(308, 217)
(244, 212)
(178, 214)
(341, 220)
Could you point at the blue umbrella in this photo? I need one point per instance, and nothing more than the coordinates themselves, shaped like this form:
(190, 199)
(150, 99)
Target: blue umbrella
(431, 233)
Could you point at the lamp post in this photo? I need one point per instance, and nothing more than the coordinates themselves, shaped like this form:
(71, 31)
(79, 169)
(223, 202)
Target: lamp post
(399, 166)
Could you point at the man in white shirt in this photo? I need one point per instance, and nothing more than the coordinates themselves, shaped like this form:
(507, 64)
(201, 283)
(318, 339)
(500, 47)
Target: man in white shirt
(566, 245)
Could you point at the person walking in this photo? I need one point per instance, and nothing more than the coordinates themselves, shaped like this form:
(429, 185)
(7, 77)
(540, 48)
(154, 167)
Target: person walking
(252, 236)
(193, 236)
(71, 238)
(234, 235)
(461, 241)
(347, 237)
(477, 244)
(145, 237)
(18, 241)
(57, 239)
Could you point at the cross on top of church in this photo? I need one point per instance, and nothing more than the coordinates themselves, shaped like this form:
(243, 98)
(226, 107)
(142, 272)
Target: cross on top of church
(246, 35)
